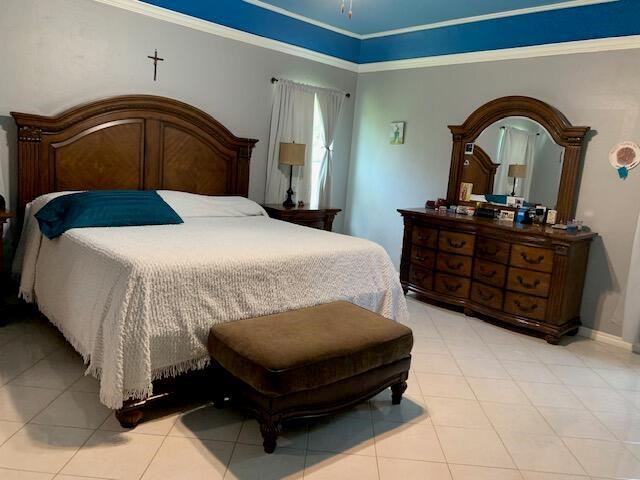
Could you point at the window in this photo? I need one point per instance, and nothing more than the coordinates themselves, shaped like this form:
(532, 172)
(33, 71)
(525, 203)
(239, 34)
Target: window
(317, 154)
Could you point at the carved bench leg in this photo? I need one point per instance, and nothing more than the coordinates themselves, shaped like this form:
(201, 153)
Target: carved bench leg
(129, 417)
(396, 392)
(269, 431)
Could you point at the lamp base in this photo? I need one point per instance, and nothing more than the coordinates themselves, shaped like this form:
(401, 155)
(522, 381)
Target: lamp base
(288, 203)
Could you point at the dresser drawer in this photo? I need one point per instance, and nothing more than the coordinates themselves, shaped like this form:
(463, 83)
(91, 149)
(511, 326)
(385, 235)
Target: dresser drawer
(540, 259)
(424, 257)
(527, 281)
(424, 236)
(490, 273)
(457, 264)
(421, 277)
(485, 295)
(451, 285)
(454, 242)
(525, 305)
(493, 250)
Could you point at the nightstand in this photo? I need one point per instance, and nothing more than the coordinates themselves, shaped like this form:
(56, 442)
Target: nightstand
(4, 217)
(320, 218)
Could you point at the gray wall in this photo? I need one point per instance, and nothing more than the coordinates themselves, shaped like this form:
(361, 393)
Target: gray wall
(600, 90)
(55, 54)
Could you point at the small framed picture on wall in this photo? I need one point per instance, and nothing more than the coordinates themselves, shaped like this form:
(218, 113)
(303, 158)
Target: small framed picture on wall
(396, 136)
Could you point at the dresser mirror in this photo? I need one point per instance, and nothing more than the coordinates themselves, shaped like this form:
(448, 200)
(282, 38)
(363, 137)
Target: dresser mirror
(529, 147)
(516, 146)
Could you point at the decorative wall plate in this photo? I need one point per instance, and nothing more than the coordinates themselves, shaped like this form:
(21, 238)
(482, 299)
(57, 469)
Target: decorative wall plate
(624, 156)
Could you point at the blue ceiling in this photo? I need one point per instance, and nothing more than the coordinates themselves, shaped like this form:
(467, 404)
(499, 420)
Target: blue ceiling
(617, 18)
(373, 16)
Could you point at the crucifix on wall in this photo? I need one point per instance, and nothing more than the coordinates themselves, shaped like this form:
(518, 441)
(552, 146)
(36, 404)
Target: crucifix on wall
(155, 59)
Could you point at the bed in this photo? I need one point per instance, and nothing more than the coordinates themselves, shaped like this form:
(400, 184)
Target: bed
(137, 302)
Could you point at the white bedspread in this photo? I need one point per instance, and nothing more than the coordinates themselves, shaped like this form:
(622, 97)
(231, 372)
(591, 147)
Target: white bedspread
(137, 302)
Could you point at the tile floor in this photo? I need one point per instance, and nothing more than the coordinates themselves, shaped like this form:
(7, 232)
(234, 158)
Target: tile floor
(483, 403)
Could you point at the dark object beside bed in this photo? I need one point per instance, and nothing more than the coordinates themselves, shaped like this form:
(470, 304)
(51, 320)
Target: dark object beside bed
(310, 362)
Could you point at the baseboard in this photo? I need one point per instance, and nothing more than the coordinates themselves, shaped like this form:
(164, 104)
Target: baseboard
(606, 338)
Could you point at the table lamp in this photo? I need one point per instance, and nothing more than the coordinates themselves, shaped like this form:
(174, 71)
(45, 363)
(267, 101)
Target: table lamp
(515, 172)
(291, 154)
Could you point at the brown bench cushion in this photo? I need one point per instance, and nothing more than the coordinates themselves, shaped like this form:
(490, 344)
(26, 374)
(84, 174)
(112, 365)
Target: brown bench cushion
(308, 348)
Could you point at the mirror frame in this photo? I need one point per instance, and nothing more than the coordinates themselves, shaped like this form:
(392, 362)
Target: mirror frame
(564, 134)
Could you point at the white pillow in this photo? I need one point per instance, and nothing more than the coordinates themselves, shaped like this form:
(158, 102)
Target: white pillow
(193, 205)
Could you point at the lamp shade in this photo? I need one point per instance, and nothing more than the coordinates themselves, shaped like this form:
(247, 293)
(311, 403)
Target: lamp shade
(292, 154)
(517, 171)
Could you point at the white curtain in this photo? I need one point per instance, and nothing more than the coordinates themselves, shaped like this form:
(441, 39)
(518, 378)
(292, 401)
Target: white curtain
(291, 121)
(631, 322)
(517, 147)
(330, 104)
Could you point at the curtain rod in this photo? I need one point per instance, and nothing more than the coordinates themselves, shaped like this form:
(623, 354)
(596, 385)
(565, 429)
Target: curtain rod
(275, 80)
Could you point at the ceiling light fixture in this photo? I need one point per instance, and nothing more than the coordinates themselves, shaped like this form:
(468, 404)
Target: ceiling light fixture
(343, 8)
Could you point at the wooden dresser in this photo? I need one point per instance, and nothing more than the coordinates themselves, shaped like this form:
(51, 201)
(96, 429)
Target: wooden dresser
(527, 275)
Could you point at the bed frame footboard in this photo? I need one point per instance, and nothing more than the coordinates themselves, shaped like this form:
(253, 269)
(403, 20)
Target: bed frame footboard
(201, 385)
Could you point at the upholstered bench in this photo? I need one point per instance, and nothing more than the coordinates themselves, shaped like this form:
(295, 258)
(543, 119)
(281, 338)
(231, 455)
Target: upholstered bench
(310, 362)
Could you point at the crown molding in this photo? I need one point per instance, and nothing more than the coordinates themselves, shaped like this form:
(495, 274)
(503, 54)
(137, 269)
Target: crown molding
(429, 26)
(302, 18)
(564, 48)
(227, 32)
(482, 18)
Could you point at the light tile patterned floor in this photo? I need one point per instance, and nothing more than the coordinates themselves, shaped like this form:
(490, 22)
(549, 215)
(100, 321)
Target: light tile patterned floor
(483, 403)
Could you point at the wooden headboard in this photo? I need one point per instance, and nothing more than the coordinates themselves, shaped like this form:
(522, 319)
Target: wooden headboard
(479, 170)
(138, 142)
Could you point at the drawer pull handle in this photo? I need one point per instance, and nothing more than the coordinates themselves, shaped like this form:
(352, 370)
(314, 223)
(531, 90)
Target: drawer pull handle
(452, 288)
(528, 285)
(523, 308)
(484, 296)
(454, 266)
(532, 261)
(420, 258)
(486, 274)
(424, 237)
(459, 244)
(419, 278)
(488, 253)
